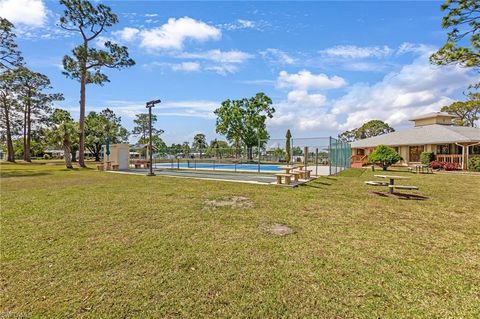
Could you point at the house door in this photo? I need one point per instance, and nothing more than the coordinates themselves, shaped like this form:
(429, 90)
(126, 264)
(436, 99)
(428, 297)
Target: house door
(414, 154)
(123, 158)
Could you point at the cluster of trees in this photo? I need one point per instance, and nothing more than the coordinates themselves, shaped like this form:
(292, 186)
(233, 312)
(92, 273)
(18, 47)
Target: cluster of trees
(369, 129)
(462, 48)
(26, 101)
(25, 96)
(243, 122)
(467, 112)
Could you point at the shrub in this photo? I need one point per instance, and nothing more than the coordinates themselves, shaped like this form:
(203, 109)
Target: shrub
(436, 165)
(450, 166)
(426, 157)
(474, 164)
(384, 156)
(46, 157)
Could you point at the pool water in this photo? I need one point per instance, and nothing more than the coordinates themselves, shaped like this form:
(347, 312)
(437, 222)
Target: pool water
(220, 166)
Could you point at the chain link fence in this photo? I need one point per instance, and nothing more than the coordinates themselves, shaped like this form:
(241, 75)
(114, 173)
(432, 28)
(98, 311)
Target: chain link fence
(321, 155)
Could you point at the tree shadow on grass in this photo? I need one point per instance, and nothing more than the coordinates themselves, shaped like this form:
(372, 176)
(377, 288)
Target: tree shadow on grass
(403, 196)
(23, 174)
(315, 186)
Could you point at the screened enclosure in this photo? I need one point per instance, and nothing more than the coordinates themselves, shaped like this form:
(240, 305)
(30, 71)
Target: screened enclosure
(321, 155)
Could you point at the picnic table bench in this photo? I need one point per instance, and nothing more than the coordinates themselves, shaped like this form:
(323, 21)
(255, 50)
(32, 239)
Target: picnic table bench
(402, 187)
(140, 163)
(286, 177)
(376, 183)
(391, 185)
(305, 174)
(422, 168)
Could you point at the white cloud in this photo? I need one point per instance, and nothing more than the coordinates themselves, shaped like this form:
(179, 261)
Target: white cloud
(239, 24)
(365, 66)
(127, 34)
(356, 52)
(223, 69)
(222, 62)
(419, 48)
(277, 57)
(175, 32)
(305, 80)
(25, 12)
(189, 108)
(246, 24)
(186, 66)
(415, 89)
(232, 56)
(302, 98)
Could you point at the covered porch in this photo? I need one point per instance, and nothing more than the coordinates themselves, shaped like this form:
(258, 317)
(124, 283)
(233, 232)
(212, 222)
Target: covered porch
(455, 153)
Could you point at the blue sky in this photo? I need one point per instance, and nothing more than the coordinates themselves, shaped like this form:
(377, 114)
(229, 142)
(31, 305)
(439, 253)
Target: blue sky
(328, 66)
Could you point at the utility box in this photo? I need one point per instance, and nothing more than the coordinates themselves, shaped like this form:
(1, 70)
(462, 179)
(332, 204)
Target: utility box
(119, 154)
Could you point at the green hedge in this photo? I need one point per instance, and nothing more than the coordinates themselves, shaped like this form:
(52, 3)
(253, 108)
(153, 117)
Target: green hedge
(474, 164)
(426, 157)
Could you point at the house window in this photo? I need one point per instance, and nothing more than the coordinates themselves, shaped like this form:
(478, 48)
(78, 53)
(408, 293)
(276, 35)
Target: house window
(474, 150)
(360, 151)
(443, 149)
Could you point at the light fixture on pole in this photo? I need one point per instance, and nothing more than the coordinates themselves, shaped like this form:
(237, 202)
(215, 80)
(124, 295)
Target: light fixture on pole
(151, 104)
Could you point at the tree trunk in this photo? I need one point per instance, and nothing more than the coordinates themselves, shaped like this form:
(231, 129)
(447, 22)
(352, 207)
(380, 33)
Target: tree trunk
(73, 152)
(66, 154)
(27, 156)
(24, 131)
(250, 153)
(81, 122)
(10, 151)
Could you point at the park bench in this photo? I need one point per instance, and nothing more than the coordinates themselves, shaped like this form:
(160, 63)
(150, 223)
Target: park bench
(296, 175)
(304, 174)
(287, 177)
(115, 167)
(376, 183)
(100, 167)
(409, 187)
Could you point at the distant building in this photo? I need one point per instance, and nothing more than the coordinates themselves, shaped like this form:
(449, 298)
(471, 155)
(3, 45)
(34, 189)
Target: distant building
(433, 132)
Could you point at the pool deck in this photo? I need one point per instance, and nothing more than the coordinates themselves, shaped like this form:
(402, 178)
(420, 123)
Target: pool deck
(223, 176)
(321, 170)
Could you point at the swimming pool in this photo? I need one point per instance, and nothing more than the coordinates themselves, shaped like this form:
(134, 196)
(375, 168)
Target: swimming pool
(222, 166)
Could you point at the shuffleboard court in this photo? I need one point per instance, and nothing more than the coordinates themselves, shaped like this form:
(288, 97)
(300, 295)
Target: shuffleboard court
(222, 166)
(209, 175)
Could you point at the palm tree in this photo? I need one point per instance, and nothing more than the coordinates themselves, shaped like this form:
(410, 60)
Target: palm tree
(64, 131)
(199, 143)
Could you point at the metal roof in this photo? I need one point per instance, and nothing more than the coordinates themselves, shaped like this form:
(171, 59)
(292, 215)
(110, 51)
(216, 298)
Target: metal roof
(428, 134)
(433, 114)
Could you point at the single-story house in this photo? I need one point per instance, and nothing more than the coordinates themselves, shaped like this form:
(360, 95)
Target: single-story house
(433, 132)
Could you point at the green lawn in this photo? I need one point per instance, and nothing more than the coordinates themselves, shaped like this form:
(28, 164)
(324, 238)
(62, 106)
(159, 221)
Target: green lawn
(83, 243)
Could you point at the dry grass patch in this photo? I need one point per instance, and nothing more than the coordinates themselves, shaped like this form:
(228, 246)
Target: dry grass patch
(233, 202)
(277, 229)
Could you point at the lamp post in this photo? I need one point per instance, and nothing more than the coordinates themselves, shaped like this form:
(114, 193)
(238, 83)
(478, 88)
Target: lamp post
(151, 104)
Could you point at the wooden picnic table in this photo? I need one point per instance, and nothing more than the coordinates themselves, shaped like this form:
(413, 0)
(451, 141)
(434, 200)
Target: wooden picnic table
(287, 169)
(392, 179)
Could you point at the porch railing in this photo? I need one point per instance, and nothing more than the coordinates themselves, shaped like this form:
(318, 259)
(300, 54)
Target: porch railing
(451, 158)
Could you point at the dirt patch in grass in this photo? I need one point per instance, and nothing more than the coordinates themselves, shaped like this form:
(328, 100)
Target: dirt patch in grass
(277, 229)
(234, 202)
